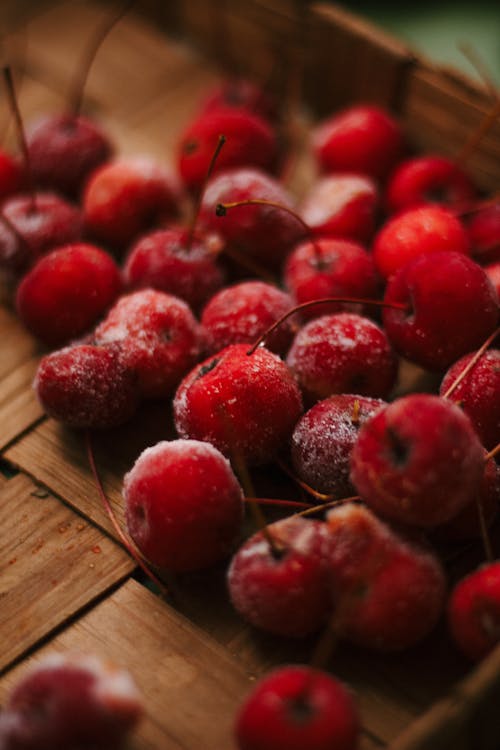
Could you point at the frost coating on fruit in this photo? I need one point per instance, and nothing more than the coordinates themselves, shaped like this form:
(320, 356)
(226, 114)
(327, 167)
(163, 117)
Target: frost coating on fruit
(70, 701)
(323, 440)
(390, 593)
(245, 404)
(342, 353)
(241, 313)
(158, 336)
(86, 386)
(184, 505)
(288, 594)
(417, 460)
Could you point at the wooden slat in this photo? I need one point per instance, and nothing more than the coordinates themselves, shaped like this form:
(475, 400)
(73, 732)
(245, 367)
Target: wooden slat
(440, 113)
(53, 563)
(191, 686)
(56, 457)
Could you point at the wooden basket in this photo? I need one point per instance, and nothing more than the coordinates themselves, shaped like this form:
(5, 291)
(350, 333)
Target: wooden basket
(65, 582)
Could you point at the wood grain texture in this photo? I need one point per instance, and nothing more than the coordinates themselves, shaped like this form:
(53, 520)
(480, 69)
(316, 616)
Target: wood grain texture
(191, 686)
(52, 564)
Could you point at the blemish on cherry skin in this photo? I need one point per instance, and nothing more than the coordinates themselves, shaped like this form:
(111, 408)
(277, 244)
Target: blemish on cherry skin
(190, 147)
(399, 449)
(205, 369)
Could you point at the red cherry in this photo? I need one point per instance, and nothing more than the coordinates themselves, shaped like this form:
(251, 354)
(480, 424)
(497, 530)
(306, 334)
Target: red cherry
(330, 268)
(483, 229)
(87, 387)
(66, 292)
(493, 273)
(158, 338)
(288, 592)
(263, 232)
(343, 205)
(428, 179)
(245, 404)
(250, 142)
(323, 439)
(184, 505)
(478, 394)
(390, 593)
(363, 139)
(294, 708)
(11, 175)
(342, 353)
(418, 231)
(162, 260)
(474, 611)
(452, 308)
(127, 197)
(64, 150)
(241, 93)
(70, 701)
(241, 313)
(41, 224)
(417, 461)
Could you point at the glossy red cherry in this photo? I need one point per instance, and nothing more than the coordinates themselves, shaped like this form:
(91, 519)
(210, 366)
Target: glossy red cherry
(363, 138)
(294, 708)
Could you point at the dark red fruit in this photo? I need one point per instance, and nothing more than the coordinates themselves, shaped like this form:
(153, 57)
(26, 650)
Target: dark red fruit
(417, 231)
(294, 708)
(158, 337)
(184, 505)
(417, 461)
(244, 404)
(162, 260)
(66, 292)
(241, 93)
(342, 353)
(323, 440)
(241, 313)
(330, 268)
(363, 139)
(452, 308)
(64, 150)
(250, 142)
(428, 179)
(87, 387)
(11, 175)
(483, 229)
(342, 205)
(288, 592)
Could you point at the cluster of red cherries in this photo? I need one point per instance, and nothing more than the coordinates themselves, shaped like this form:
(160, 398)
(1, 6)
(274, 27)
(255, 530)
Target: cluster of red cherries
(260, 371)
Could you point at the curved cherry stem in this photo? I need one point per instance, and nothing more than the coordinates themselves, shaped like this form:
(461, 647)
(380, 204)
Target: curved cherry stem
(303, 485)
(21, 134)
(324, 301)
(277, 502)
(477, 356)
(493, 453)
(326, 506)
(479, 205)
(109, 511)
(222, 208)
(78, 84)
(199, 199)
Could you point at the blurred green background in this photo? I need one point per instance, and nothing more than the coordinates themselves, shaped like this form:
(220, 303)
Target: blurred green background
(434, 28)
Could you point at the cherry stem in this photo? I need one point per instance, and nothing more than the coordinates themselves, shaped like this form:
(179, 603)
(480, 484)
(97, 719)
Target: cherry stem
(323, 301)
(306, 487)
(78, 84)
(472, 142)
(277, 502)
(493, 453)
(326, 506)
(222, 208)
(471, 363)
(21, 135)
(199, 199)
(109, 510)
(480, 205)
(485, 535)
